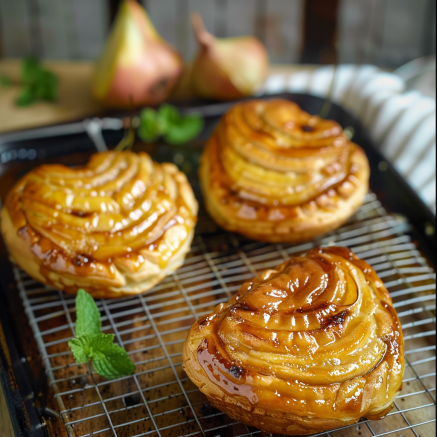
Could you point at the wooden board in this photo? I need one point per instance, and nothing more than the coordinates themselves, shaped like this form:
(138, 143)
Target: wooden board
(75, 99)
(5, 421)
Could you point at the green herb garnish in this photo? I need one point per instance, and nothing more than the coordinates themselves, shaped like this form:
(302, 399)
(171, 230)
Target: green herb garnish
(38, 83)
(4, 80)
(169, 123)
(107, 358)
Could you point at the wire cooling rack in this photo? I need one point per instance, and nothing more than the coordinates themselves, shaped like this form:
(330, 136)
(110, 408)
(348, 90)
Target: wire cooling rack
(159, 399)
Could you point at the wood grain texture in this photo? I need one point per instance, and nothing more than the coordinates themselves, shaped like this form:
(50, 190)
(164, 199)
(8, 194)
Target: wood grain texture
(403, 30)
(387, 33)
(14, 28)
(284, 30)
(169, 24)
(90, 26)
(208, 10)
(55, 34)
(5, 421)
(75, 99)
(241, 18)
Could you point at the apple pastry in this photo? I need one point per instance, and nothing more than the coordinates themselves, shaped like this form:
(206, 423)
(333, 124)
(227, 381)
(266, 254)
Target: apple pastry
(312, 345)
(114, 227)
(273, 172)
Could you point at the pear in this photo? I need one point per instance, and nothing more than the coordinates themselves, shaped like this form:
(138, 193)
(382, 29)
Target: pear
(137, 67)
(227, 68)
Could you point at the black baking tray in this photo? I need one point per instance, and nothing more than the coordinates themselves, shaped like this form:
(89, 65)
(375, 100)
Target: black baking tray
(25, 390)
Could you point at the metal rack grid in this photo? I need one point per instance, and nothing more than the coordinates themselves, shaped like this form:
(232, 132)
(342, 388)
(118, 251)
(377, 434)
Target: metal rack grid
(159, 399)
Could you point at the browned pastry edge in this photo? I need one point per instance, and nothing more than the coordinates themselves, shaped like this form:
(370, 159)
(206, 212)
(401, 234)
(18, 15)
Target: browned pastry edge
(98, 287)
(264, 176)
(239, 399)
(309, 221)
(266, 420)
(46, 239)
(240, 410)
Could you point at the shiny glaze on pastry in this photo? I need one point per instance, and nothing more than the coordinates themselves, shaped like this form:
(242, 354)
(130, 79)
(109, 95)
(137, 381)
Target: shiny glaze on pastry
(115, 226)
(274, 173)
(309, 346)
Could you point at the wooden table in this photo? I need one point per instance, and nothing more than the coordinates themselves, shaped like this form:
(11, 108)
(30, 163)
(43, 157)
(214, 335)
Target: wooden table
(5, 421)
(75, 99)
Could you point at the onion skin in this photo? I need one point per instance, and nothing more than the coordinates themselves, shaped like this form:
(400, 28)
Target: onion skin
(137, 67)
(228, 68)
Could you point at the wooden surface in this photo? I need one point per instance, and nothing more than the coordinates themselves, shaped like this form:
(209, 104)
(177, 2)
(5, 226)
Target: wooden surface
(5, 421)
(75, 99)
(386, 33)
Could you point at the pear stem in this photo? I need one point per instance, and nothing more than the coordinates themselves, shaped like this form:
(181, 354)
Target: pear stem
(203, 37)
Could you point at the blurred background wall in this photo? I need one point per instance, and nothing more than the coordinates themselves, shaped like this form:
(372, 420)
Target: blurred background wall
(387, 33)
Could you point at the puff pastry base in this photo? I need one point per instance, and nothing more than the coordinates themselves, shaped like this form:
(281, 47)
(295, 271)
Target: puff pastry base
(309, 346)
(272, 172)
(114, 227)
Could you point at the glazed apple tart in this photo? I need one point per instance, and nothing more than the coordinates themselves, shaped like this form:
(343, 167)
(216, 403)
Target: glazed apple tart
(275, 173)
(114, 227)
(309, 346)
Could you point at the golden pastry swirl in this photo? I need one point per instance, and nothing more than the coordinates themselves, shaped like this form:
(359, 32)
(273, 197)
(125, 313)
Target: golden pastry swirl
(115, 226)
(273, 172)
(312, 345)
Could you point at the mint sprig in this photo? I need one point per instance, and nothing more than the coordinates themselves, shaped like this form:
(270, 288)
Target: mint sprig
(168, 122)
(91, 345)
(5, 81)
(150, 127)
(37, 82)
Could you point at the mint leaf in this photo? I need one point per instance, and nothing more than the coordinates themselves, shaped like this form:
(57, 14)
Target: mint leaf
(46, 86)
(150, 125)
(169, 116)
(38, 83)
(109, 359)
(26, 97)
(185, 129)
(29, 70)
(80, 348)
(4, 80)
(167, 121)
(179, 129)
(87, 315)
